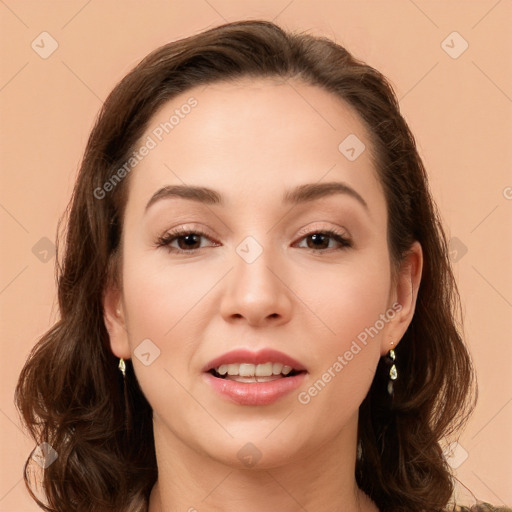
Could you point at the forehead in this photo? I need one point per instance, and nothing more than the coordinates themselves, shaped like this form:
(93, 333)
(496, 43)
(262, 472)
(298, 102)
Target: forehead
(255, 137)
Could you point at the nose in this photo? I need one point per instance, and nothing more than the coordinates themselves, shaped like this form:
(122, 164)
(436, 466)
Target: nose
(257, 292)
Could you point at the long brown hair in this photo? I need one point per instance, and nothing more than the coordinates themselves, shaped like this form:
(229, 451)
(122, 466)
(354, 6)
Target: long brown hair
(70, 392)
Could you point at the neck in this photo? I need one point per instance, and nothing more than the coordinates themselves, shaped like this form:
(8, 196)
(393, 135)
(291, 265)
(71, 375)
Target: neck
(324, 479)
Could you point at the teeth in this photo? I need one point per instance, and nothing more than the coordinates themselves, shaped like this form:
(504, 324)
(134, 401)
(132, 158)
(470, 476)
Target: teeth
(246, 370)
(254, 370)
(233, 369)
(276, 368)
(286, 370)
(254, 379)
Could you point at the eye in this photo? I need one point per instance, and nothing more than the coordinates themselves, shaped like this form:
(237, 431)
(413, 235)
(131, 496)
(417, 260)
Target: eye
(319, 241)
(187, 241)
(183, 240)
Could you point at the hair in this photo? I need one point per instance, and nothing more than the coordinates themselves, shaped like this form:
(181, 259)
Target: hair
(70, 392)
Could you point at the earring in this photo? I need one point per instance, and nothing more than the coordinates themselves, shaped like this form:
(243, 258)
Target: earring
(128, 415)
(122, 367)
(393, 373)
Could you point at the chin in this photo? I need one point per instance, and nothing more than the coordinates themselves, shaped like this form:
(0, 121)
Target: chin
(258, 448)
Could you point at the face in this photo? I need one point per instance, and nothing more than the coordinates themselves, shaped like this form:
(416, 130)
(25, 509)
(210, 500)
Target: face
(283, 260)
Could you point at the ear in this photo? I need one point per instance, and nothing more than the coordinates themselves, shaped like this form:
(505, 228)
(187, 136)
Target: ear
(404, 294)
(114, 318)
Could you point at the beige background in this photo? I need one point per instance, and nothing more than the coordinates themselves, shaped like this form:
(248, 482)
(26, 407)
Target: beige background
(458, 108)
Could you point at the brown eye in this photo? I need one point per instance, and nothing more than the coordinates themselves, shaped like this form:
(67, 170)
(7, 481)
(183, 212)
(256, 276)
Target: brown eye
(190, 241)
(184, 241)
(318, 241)
(323, 240)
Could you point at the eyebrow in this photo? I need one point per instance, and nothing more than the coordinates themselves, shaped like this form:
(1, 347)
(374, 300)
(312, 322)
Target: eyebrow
(199, 194)
(300, 194)
(314, 191)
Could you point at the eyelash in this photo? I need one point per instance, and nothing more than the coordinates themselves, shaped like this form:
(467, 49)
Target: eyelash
(168, 238)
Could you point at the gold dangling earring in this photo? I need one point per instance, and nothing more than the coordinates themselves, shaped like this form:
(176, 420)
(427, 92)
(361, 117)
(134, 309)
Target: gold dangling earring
(122, 367)
(393, 373)
(128, 415)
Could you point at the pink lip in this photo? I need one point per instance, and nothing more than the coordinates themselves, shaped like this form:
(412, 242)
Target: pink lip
(254, 393)
(266, 355)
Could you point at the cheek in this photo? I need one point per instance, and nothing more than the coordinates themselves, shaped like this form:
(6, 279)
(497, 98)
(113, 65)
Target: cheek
(161, 306)
(170, 305)
(350, 306)
(346, 300)
(159, 298)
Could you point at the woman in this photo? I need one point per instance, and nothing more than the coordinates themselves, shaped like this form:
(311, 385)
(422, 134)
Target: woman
(255, 295)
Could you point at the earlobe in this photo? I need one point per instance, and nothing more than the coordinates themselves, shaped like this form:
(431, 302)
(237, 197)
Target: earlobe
(114, 319)
(406, 293)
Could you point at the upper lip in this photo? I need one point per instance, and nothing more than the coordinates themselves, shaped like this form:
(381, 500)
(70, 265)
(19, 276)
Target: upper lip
(263, 356)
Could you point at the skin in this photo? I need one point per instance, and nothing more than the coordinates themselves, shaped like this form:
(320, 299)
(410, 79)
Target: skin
(251, 141)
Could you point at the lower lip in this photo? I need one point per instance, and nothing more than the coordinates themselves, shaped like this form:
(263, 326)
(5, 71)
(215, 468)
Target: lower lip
(255, 393)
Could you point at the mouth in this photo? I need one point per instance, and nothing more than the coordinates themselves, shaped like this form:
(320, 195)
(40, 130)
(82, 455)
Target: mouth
(247, 372)
(254, 378)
